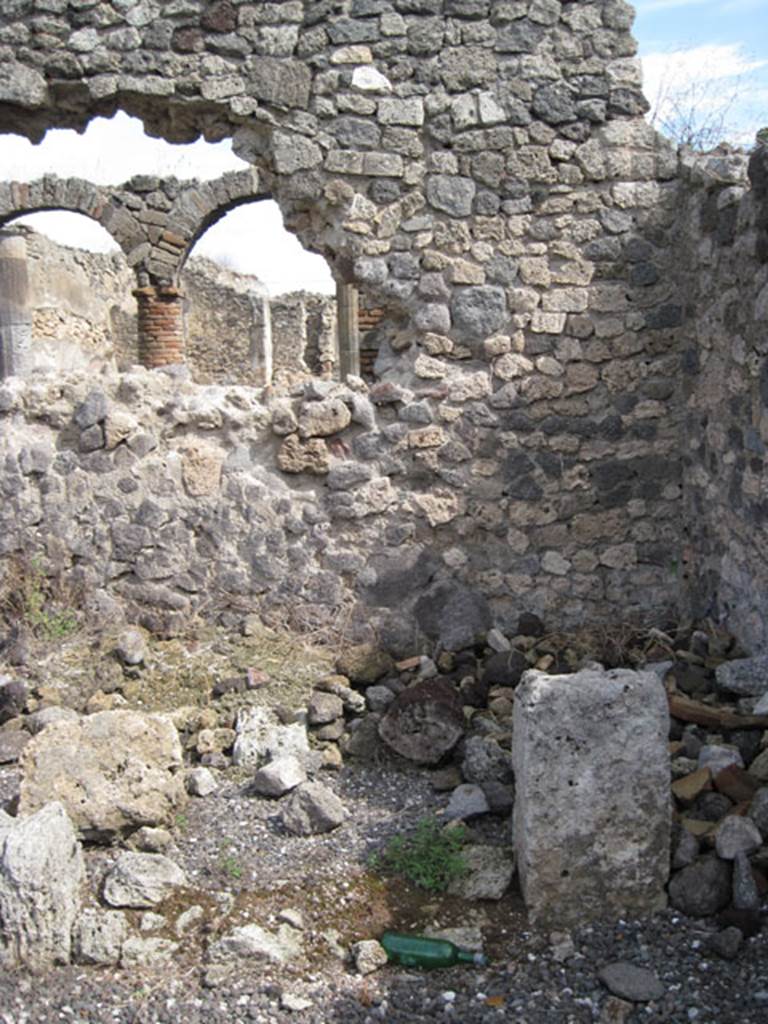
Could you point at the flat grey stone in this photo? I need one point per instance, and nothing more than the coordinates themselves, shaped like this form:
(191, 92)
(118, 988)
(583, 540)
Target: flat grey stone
(748, 677)
(627, 981)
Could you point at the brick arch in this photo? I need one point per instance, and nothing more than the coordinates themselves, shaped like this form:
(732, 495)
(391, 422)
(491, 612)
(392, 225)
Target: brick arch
(73, 195)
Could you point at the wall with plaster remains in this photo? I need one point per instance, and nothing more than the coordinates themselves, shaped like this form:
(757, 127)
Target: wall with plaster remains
(483, 171)
(724, 249)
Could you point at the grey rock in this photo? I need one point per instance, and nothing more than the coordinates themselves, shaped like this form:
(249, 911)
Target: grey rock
(114, 771)
(13, 698)
(142, 880)
(323, 708)
(378, 698)
(716, 757)
(368, 955)
(260, 738)
(745, 894)
(627, 981)
(748, 677)
(41, 877)
(485, 761)
(151, 840)
(279, 776)
(141, 951)
(573, 825)
(424, 722)
(703, 888)
(131, 647)
(479, 311)
(451, 193)
(685, 847)
(736, 835)
(12, 742)
(758, 811)
(312, 808)
(489, 873)
(99, 936)
(467, 801)
(201, 782)
(92, 410)
(252, 942)
(726, 944)
(452, 614)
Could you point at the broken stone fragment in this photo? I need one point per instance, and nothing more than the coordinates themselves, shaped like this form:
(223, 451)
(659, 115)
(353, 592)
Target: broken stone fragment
(41, 876)
(279, 776)
(312, 808)
(321, 419)
(113, 771)
(142, 880)
(424, 722)
(297, 456)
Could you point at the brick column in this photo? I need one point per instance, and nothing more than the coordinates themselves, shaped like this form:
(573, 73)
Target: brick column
(161, 326)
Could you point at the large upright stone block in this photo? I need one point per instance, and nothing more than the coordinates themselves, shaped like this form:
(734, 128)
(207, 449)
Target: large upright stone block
(592, 804)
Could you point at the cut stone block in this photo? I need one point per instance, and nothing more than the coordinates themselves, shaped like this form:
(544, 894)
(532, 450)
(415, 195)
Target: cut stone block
(592, 806)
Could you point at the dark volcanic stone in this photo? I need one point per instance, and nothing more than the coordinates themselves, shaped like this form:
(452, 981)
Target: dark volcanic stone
(452, 614)
(703, 888)
(530, 625)
(13, 697)
(504, 668)
(424, 722)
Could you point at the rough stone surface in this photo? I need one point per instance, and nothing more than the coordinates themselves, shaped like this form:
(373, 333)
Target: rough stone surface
(424, 722)
(703, 888)
(141, 880)
(368, 955)
(279, 776)
(261, 738)
(41, 877)
(489, 873)
(628, 981)
(99, 936)
(312, 808)
(251, 941)
(113, 771)
(585, 845)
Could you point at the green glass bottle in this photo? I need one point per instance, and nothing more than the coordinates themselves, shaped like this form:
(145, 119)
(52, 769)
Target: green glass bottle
(419, 951)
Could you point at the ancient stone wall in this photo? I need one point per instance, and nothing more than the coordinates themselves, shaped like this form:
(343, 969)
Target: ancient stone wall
(724, 250)
(482, 170)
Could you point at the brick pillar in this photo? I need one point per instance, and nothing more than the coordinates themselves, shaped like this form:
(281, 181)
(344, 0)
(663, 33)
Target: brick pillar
(161, 326)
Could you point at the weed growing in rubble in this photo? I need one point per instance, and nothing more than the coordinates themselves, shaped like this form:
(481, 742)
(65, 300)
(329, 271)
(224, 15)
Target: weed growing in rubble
(31, 597)
(430, 857)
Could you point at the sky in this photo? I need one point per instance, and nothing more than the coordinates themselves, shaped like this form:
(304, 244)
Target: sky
(705, 63)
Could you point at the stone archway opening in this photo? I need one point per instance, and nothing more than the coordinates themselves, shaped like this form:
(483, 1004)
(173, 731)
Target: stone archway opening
(65, 296)
(271, 315)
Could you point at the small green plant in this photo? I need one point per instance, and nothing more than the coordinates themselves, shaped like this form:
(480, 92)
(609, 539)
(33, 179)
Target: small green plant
(181, 821)
(430, 856)
(31, 597)
(229, 862)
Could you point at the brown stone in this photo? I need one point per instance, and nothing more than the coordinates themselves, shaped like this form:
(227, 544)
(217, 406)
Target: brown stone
(297, 456)
(688, 710)
(690, 786)
(220, 17)
(735, 783)
(424, 722)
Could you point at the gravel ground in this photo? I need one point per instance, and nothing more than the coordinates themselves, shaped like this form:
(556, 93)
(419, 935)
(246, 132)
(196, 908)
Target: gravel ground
(243, 867)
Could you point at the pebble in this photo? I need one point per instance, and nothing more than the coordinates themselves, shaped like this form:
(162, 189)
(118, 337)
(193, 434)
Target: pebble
(627, 981)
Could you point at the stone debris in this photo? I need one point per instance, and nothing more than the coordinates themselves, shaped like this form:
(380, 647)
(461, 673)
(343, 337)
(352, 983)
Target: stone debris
(368, 956)
(42, 872)
(574, 828)
(142, 880)
(99, 936)
(424, 722)
(261, 737)
(489, 873)
(113, 772)
(628, 981)
(251, 941)
(279, 776)
(200, 782)
(312, 808)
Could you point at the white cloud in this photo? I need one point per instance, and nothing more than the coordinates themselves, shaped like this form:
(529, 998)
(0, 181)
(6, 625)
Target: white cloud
(712, 85)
